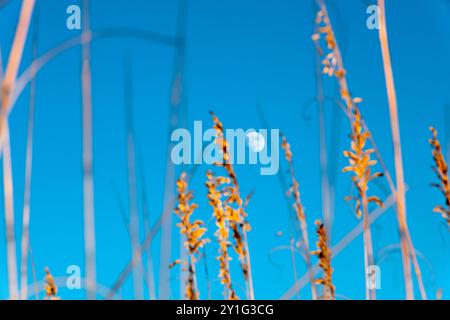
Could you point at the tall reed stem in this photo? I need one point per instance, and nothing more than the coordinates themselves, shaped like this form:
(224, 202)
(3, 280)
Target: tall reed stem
(132, 184)
(147, 228)
(88, 180)
(28, 167)
(294, 190)
(176, 103)
(401, 203)
(7, 90)
(324, 176)
(8, 190)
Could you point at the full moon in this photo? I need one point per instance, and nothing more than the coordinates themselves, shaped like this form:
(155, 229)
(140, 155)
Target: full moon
(255, 141)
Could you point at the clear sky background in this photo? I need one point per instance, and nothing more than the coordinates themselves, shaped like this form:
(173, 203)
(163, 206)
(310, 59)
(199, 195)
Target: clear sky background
(240, 54)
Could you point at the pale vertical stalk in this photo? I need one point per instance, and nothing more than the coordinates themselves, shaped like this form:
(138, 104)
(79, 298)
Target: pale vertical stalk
(300, 216)
(147, 228)
(294, 266)
(392, 100)
(174, 121)
(205, 267)
(33, 273)
(416, 265)
(325, 183)
(88, 180)
(9, 214)
(249, 282)
(7, 89)
(368, 249)
(15, 55)
(308, 259)
(284, 187)
(28, 166)
(132, 188)
(166, 229)
(150, 272)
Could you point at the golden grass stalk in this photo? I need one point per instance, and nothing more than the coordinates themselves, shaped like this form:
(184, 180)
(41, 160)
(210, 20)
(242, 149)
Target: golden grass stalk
(222, 216)
(360, 165)
(324, 254)
(193, 231)
(359, 156)
(88, 180)
(235, 208)
(441, 170)
(6, 90)
(51, 290)
(401, 203)
(294, 191)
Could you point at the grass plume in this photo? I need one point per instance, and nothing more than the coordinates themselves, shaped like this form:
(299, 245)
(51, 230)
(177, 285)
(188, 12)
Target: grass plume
(324, 254)
(441, 170)
(213, 184)
(193, 232)
(51, 290)
(234, 205)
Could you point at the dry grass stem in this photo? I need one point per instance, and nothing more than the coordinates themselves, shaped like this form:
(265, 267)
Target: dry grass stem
(401, 202)
(134, 225)
(298, 207)
(28, 167)
(6, 91)
(88, 180)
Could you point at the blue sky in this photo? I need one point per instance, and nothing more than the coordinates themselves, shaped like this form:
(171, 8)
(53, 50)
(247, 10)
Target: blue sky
(239, 54)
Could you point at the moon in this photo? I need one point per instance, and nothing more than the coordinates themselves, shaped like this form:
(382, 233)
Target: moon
(255, 141)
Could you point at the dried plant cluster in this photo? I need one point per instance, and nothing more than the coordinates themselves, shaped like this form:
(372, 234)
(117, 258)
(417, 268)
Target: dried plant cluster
(215, 195)
(324, 254)
(441, 170)
(50, 287)
(360, 164)
(193, 232)
(234, 207)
